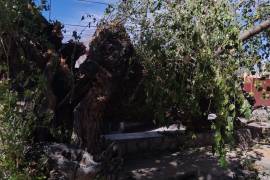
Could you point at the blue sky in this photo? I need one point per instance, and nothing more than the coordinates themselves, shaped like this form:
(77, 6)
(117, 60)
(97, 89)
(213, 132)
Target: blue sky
(71, 11)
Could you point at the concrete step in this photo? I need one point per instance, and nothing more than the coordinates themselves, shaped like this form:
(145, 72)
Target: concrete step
(158, 140)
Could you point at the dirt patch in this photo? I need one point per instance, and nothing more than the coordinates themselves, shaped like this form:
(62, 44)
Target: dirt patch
(262, 164)
(198, 163)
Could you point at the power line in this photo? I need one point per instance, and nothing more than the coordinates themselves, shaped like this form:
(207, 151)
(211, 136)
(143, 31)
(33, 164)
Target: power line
(84, 36)
(71, 32)
(85, 26)
(77, 25)
(94, 2)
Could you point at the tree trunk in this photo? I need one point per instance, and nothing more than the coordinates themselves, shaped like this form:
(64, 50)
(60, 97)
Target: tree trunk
(90, 112)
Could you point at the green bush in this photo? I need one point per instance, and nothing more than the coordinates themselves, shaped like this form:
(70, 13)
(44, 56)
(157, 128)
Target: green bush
(21, 87)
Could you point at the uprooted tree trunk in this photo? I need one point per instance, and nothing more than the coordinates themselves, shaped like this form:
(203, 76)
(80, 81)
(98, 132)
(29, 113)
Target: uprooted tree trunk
(90, 112)
(97, 90)
(106, 68)
(89, 92)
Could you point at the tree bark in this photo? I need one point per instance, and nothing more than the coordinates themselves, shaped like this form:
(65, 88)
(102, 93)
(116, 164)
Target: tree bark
(90, 112)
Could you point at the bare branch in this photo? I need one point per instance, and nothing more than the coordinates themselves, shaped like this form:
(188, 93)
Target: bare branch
(255, 30)
(248, 34)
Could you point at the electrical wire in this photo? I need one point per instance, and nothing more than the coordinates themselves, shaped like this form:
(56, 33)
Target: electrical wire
(77, 25)
(94, 2)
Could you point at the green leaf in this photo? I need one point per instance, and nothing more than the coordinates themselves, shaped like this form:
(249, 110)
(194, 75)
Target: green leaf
(231, 107)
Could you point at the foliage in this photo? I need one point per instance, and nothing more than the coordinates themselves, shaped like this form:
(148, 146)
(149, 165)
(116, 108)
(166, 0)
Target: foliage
(21, 85)
(17, 123)
(178, 41)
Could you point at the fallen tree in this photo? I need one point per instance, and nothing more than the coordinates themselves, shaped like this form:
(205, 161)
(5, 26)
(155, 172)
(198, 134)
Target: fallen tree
(107, 68)
(39, 72)
(47, 81)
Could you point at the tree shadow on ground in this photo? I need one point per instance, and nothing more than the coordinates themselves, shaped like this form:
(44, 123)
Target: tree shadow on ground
(189, 164)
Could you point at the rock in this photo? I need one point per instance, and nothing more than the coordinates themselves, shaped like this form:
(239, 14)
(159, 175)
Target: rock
(260, 114)
(259, 129)
(244, 138)
(71, 163)
(66, 162)
(258, 125)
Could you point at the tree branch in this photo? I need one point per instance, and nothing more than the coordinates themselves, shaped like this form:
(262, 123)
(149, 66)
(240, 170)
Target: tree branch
(248, 34)
(255, 30)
